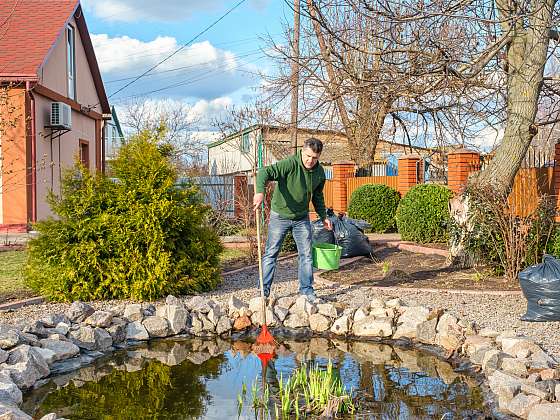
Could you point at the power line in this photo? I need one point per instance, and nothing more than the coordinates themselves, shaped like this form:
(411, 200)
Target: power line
(239, 3)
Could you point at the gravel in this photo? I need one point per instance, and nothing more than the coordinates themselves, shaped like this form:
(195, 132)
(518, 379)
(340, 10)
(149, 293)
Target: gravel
(498, 312)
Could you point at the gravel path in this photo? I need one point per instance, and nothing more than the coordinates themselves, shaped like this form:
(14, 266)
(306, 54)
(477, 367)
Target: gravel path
(500, 313)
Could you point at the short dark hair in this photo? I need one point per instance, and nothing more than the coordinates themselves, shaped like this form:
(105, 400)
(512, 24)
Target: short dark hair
(314, 144)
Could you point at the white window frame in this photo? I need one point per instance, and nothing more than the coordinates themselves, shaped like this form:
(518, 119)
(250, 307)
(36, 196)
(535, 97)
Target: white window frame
(71, 61)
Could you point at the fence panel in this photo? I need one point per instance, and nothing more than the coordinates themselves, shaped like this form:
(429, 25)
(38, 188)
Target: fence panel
(217, 190)
(529, 185)
(354, 183)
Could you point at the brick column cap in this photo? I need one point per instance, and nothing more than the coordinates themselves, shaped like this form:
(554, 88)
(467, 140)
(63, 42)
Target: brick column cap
(411, 156)
(463, 151)
(344, 162)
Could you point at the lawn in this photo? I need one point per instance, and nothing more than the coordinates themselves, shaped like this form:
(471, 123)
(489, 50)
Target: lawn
(11, 276)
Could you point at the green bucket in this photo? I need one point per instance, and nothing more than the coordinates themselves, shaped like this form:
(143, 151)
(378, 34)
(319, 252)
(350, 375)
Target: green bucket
(326, 256)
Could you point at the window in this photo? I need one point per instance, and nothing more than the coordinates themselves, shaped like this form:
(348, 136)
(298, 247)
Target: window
(245, 143)
(71, 62)
(84, 152)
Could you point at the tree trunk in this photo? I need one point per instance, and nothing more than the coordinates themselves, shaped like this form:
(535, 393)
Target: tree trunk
(526, 59)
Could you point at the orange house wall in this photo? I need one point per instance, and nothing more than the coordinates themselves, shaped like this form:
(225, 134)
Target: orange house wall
(14, 199)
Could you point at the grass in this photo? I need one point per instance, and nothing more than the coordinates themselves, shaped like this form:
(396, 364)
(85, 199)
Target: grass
(232, 254)
(11, 275)
(308, 391)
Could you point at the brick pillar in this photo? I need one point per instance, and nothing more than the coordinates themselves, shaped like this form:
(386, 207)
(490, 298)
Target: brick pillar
(409, 173)
(341, 172)
(460, 164)
(556, 179)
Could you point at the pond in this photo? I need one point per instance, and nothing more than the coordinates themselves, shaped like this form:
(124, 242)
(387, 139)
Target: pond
(195, 378)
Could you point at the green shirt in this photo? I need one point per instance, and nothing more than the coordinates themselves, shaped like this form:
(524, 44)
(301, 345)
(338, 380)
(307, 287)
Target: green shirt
(297, 186)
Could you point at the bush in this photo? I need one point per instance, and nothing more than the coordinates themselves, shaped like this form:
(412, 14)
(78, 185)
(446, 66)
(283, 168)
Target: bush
(497, 236)
(376, 204)
(423, 214)
(139, 237)
(553, 246)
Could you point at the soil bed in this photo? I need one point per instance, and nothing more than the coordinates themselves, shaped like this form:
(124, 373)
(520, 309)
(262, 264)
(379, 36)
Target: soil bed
(397, 268)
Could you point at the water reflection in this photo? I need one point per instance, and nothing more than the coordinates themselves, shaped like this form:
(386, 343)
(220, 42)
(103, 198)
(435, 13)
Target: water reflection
(195, 378)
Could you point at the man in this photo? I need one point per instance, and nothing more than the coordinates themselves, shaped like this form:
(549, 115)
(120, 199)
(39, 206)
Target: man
(300, 179)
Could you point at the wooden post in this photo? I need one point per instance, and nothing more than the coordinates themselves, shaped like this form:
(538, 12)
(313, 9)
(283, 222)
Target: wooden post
(409, 173)
(460, 164)
(341, 172)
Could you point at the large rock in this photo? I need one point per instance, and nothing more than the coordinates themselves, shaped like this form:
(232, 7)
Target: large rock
(449, 333)
(360, 313)
(26, 366)
(286, 301)
(236, 307)
(214, 314)
(197, 326)
(341, 326)
(319, 322)
(409, 321)
(546, 411)
(474, 343)
(38, 329)
(522, 404)
(492, 360)
(156, 326)
(328, 310)
(136, 331)
(3, 356)
(198, 304)
(499, 379)
(255, 304)
(51, 321)
(373, 327)
(178, 318)
(100, 319)
(62, 349)
(79, 311)
(9, 391)
(518, 367)
(90, 338)
(9, 337)
(223, 325)
(257, 318)
(377, 303)
(12, 412)
(134, 312)
(48, 355)
(242, 323)
(297, 320)
(281, 313)
(516, 346)
(118, 332)
(303, 306)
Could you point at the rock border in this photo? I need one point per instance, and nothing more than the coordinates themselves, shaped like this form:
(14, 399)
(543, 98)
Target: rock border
(524, 380)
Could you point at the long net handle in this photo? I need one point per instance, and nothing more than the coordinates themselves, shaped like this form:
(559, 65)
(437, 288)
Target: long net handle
(259, 252)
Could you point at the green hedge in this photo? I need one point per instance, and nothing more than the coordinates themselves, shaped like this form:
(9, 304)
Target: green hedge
(423, 214)
(376, 204)
(139, 237)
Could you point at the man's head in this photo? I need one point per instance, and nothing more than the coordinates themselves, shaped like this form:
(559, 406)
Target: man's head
(311, 152)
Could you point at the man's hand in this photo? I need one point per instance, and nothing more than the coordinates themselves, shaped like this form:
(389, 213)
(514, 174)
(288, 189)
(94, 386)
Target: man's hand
(328, 224)
(257, 201)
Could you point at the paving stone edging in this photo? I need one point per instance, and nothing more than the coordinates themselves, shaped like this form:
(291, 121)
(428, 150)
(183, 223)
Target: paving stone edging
(523, 379)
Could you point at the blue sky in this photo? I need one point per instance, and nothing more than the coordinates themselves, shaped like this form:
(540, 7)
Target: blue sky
(215, 71)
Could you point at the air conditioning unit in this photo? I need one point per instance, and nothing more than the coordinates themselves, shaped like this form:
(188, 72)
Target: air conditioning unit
(61, 115)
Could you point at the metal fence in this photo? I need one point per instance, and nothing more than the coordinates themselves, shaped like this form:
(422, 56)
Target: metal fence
(216, 190)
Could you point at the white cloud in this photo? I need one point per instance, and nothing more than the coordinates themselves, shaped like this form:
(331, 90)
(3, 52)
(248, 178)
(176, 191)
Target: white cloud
(149, 10)
(199, 70)
(488, 138)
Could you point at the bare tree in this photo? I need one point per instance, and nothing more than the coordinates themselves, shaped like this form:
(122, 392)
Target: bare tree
(176, 117)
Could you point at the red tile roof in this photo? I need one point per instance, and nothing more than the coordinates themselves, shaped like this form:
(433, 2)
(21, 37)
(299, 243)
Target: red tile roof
(28, 30)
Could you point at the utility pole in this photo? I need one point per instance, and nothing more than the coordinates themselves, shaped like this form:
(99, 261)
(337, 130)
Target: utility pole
(295, 79)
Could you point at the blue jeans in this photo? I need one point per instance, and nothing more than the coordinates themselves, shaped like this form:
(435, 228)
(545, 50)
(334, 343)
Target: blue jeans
(278, 227)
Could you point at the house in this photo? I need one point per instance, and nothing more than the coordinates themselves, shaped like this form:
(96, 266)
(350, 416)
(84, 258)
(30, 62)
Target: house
(114, 137)
(53, 104)
(266, 144)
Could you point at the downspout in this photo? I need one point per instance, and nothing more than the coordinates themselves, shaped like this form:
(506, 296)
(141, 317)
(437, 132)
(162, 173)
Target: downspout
(29, 90)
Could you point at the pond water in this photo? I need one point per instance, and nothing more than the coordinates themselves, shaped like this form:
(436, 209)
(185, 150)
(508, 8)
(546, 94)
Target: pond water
(195, 378)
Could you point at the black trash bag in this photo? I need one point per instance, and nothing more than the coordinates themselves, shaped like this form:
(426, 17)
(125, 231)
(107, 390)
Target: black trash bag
(541, 286)
(320, 234)
(349, 234)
